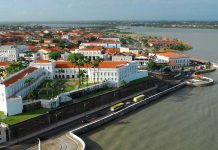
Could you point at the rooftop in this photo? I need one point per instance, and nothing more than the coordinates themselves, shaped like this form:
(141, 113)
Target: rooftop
(92, 48)
(43, 61)
(105, 64)
(3, 64)
(171, 54)
(19, 76)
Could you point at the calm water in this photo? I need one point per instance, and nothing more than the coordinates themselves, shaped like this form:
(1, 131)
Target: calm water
(185, 120)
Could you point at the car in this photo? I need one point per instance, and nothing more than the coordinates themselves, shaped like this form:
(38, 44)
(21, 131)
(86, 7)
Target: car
(85, 121)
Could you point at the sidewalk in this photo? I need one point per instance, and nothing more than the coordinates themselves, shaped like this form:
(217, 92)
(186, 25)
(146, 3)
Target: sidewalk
(53, 126)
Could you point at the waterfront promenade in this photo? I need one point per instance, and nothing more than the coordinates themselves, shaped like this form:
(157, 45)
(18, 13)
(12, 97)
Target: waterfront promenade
(72, 122)
(64, 142)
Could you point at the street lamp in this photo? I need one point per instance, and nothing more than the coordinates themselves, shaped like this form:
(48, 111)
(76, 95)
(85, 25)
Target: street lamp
(39, 146)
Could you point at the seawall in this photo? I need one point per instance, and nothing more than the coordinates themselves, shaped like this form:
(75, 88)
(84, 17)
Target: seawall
(85, 128)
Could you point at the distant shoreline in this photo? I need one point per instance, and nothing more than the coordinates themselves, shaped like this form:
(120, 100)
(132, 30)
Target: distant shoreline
(152, 24)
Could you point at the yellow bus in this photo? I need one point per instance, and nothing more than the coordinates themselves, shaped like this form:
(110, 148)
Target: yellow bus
(117, 107)
(138, 98)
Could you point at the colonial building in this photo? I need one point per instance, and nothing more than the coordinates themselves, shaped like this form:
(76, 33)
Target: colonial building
(8, 53)
(103, 43)
(142, 60)
(92, 52)
(122, 57)
(113, 71)
(166, 57)
(16, 87)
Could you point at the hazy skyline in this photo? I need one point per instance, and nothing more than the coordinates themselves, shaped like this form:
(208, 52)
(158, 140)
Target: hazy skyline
(81, 10)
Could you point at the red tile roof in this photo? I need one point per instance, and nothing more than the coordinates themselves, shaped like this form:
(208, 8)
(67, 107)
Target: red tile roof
(19, 76)
(4, 63)
(172, 63)
(112, 50)
(171, 54)
(93, 48)
(105, 64)
(103, 42)
(43, 61)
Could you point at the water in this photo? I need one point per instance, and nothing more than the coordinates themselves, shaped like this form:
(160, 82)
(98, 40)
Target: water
(185, 120)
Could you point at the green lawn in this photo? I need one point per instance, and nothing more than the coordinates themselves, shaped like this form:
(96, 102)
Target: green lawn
(51, 88)
(11, 120)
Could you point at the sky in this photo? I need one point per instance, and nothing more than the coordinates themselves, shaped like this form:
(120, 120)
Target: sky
(88, 10)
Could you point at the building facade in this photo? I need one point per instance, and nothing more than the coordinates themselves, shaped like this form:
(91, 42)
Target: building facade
(105, 44)
(8, 53)
(113, 71)
(14, 88)
(167, 57)
(92, 52)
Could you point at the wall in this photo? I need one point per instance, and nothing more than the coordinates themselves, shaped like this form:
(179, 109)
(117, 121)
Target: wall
(27, 127)
(56, 115)
(133, 107)
(14, 106)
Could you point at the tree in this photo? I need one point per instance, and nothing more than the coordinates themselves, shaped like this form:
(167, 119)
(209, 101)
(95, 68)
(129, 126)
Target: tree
(54, 55)
(78, 60)
(82, 74)
(167, 70)
(87, 62)
(41, 41)
(28, 55)
(71, 45)
(2, 70)
(14, 67)
(123, 83)
(96, 64)
(29, 81)
(152, 65)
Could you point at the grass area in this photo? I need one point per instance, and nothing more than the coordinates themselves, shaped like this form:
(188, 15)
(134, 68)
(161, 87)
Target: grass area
(11, 120)
(51, 88)
(2, 113)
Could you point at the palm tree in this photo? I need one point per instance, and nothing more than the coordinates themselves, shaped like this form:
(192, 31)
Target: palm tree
(29, 81)
(82, 74)
(28, 55)
(87, 62)
(78, 60)
(97, 62)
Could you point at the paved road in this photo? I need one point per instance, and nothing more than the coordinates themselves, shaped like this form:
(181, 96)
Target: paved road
(60, 143)
(53, 137)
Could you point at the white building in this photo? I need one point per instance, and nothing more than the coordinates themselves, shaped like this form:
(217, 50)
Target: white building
(113, 71)
(92, 52)
(142, 60)
(8, 53)
(167, 57)
(16, 87)
(105, 44)
(35, 56)
(122, 57)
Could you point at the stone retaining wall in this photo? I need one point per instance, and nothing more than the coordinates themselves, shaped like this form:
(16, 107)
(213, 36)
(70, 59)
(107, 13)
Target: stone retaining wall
(113, 116)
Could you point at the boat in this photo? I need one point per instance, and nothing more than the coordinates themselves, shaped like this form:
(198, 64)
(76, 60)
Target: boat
(215, 65)
(199, 80)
